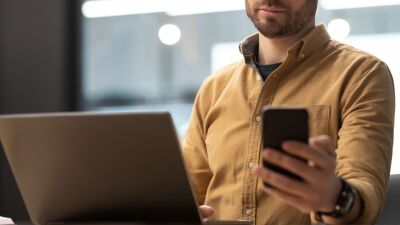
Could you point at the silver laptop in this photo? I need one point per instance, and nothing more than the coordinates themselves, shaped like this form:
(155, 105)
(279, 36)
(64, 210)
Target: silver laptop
(90, 167)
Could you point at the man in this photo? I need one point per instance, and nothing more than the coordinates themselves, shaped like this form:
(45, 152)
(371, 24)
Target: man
(349, 96)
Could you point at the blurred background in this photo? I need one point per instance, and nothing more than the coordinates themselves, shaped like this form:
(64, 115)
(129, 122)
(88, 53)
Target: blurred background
(154, 54)
(146, 55)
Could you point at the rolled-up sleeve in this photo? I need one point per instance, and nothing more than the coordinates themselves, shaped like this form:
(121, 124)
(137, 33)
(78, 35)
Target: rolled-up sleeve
(365, 141)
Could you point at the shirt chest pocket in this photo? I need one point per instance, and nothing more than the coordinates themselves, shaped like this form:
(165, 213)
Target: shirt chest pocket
(318, 116)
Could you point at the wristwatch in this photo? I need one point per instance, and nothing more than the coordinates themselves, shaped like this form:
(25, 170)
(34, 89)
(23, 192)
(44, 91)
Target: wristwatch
(344, 202)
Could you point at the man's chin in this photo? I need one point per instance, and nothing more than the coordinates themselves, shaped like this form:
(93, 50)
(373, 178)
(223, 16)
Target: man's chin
(269, 30)
(271, 33)
(270, 24)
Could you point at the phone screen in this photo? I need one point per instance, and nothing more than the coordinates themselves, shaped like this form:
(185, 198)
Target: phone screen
(282, 124)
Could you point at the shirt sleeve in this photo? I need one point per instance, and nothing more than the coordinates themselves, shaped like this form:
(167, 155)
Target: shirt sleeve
(194, 148)
(365, 141)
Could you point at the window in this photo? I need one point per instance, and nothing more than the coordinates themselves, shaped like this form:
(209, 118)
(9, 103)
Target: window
(126, 65)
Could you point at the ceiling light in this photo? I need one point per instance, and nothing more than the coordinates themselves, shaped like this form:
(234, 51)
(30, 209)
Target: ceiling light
(108, 8)
(169, 34)
(350, 4)
(339, 29)
(190, 7)
(101, 8)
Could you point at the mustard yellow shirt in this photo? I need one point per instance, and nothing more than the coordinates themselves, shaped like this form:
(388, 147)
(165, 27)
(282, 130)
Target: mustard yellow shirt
(350, 97)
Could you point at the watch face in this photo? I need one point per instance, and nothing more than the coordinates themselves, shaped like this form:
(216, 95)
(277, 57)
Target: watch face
(346, 199)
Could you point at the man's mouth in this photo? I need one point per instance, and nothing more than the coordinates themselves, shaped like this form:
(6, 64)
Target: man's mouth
(268, 9)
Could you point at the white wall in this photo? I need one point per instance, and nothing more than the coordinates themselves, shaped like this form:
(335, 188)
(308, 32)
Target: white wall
(387, 48)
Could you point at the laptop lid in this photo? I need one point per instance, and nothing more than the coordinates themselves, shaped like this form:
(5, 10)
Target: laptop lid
(99, 167)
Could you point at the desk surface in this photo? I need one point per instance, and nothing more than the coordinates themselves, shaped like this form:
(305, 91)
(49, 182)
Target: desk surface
(5, 220)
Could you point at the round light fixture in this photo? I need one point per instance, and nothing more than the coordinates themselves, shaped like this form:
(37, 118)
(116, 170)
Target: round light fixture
(339, 29)
(169, 34)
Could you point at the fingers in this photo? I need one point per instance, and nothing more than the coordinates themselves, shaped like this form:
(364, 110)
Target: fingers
(304, 151)
(282, 182)
(323, 144)
(302, 195)
(206, 211)
(319, 182)
(291, 164)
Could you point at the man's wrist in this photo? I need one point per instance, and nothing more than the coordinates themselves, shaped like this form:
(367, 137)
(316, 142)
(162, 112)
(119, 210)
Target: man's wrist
(333, 196)
(341, 214)
(344, 202)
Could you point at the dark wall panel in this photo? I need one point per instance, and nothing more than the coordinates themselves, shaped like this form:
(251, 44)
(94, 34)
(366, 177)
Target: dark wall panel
(1, 53)
(33, 56)
(38, 71)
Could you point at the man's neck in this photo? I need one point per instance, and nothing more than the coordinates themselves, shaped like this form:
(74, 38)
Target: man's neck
(274, 50)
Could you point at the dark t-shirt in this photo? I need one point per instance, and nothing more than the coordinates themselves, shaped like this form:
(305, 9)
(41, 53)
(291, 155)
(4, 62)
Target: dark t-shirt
(266, 70)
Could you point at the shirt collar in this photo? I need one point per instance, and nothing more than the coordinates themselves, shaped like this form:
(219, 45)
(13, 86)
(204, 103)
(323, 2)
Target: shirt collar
(312, 41)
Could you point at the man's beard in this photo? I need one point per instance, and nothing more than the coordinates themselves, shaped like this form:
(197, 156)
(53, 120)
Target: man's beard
(273, 28)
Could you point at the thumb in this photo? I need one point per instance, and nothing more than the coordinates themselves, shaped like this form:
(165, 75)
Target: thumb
(323, 144)
(206, 211)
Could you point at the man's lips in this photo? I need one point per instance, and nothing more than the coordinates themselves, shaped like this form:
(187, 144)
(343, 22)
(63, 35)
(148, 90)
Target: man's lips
(271, 9)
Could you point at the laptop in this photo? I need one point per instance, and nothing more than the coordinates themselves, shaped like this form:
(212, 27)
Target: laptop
(100, 167)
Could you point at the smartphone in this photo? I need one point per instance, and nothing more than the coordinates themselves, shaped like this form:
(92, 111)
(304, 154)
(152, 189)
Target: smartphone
(282, 124)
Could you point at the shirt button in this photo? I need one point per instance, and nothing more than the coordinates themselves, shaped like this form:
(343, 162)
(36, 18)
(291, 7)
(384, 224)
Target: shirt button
(251, 165)
(248, 212)
(258, 118)
(302, 55)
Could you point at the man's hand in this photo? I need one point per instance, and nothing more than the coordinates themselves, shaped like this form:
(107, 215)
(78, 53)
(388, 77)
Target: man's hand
(320, 186)
(206, 211)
